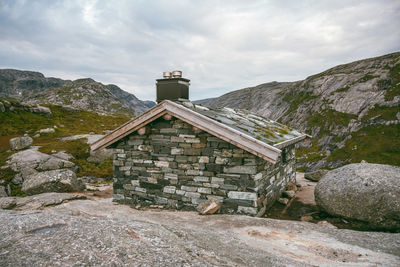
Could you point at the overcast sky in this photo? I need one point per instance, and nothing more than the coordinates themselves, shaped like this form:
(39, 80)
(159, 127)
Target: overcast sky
(219, 45)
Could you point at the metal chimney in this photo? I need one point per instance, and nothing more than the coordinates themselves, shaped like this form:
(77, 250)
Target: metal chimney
(172, 86)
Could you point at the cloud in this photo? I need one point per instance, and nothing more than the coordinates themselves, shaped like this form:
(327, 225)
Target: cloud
(219, 45)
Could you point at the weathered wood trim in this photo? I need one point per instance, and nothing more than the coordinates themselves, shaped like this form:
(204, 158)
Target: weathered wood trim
(129, 127)
(291, 141)
(235, 137)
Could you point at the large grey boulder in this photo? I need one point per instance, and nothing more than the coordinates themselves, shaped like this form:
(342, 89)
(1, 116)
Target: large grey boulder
(63, 180)
(363, 191)
(19, 143)
(2, 108)
(45, 111)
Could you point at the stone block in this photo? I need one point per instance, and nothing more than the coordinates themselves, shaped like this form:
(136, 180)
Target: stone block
(204, 190)
(180, 192)
(217, 180)
(192, 151)
(140, 189)
(201, 179)
(168, 131)
(181, 159)
(176, 139)
(194, 172)
(171, 176)
(188, 188)
(135, 182)
(242, 195)
(247, 210)
(176, 151)
(118, 197)
(204, 159)
(192, 194)
(161, 200)
(241, 169)
(187, 136)
(161, 164)
(169, 189)
(219, 160)
(226, 153)
(228, 187)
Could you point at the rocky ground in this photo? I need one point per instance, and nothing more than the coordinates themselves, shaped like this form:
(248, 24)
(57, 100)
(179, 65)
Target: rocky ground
(97, 231)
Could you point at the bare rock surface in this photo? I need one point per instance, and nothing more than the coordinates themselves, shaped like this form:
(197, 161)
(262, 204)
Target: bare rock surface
(19, 143)
(38, 201)
(61, 180)
(363, 191)
(315, 176)
(102, 233)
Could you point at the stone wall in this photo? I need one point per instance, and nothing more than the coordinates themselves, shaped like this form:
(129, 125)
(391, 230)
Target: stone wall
(178, 166)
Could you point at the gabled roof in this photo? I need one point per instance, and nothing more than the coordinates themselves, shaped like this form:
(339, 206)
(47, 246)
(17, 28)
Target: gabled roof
(248, 131)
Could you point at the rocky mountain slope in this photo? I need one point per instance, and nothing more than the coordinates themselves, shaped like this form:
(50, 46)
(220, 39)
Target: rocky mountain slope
(87, 94)
(351, 110)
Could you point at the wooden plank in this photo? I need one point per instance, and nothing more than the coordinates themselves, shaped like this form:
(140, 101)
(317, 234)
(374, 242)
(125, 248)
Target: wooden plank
(291, 141)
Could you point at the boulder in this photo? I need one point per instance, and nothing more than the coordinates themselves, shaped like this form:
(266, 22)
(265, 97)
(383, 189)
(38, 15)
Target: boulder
(2, 107)
(209, 207)
(63, 180)
(19, 143)
(3, 192)
(363, 191)
(41, 110)
(315, 176)
(47, 130)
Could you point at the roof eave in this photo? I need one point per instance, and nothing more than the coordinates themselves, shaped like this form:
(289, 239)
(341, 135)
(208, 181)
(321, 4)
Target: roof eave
(291, 141)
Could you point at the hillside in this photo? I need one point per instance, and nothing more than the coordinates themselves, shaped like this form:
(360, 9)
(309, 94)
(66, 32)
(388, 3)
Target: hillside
(86, 94)
(351, 110)
(18, 119)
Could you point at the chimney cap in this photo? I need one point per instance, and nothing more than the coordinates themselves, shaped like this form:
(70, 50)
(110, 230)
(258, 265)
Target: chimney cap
(177, 74)
(166, 74)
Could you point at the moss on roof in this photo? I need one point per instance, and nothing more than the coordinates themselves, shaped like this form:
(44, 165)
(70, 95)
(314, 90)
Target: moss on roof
(263, 129)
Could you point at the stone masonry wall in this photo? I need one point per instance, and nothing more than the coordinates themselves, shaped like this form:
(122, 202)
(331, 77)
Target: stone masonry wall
(178, 166)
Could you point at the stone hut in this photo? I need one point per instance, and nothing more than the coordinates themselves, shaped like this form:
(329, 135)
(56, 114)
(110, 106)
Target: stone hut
(178, 154)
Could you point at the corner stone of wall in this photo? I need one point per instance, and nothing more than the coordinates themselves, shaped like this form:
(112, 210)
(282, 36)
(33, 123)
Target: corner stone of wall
(178, 166)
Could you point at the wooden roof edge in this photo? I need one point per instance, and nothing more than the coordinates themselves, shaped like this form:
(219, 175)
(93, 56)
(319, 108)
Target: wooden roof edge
(292, 141)
(122, 130)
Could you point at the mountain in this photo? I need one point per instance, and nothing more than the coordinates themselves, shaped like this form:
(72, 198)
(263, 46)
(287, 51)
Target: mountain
(87, 94)
(352, 111)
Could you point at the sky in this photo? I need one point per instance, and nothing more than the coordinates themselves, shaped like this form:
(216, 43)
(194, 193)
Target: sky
(219, 45)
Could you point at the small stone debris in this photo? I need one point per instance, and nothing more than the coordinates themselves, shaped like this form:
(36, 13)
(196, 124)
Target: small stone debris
(209, 207)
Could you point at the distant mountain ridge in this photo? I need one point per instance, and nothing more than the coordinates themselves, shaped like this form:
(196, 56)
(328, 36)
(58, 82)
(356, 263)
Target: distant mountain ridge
(351, 110)
(34, 87)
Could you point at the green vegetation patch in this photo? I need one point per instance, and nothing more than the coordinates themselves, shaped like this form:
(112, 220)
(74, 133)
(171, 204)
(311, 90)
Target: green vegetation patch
(366, 78)
(375, 144)
(382, 112)
(344, 89)
(296, 97)
(329, 117)
(80, 150)
(68, 122)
